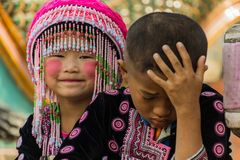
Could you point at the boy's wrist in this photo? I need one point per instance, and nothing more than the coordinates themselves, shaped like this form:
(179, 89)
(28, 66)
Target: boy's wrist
(188, 111)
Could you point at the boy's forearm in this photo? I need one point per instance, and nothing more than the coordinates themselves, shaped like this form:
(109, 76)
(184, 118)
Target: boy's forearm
(189, 139)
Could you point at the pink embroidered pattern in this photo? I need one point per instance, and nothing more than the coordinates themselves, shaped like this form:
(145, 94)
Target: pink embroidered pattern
(138, 142)
(19, 142)
(21, 156)
(75, 133)
(67, 149)
(124, 107)
(127, 91)
(218, 105)
(118, 124)
(84, 116)
(219, 129)
(112, 92)
(208, 94)
(218, 150)
(113, 146)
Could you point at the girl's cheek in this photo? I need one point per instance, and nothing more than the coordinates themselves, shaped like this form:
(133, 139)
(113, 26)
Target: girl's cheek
(52, 67)
(89, 69)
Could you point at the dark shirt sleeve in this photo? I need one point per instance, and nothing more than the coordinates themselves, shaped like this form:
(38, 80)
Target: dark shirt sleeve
(26, 144)
(214, 130)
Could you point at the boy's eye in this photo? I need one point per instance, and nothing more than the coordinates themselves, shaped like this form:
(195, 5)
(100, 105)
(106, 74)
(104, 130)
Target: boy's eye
(57, 55)
(148, 97)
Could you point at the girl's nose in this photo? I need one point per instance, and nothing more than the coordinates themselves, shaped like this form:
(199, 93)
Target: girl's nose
(71, 64)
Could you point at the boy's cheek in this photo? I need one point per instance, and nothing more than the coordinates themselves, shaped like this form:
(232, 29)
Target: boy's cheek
(89, 69)
(52, 67)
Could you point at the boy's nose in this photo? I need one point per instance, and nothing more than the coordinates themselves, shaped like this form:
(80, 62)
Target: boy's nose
(161, 111)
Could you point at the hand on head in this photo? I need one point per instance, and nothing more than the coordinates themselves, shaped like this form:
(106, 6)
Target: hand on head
(183, 86)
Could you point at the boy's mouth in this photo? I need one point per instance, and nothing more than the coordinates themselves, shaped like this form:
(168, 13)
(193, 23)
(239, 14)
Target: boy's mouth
(161, 121)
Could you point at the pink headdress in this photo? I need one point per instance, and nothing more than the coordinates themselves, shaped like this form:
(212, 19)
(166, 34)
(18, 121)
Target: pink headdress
(80, 25)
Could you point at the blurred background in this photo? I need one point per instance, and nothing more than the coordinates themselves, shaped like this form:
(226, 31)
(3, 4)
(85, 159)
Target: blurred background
(16, 89)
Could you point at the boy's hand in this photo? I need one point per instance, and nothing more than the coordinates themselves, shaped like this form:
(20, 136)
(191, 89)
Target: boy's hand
(184, 86)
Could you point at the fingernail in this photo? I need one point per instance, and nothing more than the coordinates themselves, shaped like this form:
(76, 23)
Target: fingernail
(149, 71)
(155, 55)
(179, 44)
(164, 47)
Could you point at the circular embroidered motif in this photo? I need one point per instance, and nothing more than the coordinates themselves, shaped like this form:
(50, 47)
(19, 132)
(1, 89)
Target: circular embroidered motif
(118, 124)
(67, 149)
(124, 107)
(19, 142)
(208, 94)
(218, 150)
(83, 117)
(112, 92)
(126, 91)
(21, 156)
(74, 133)
(220, 128)
(112, 145)
(218, 105)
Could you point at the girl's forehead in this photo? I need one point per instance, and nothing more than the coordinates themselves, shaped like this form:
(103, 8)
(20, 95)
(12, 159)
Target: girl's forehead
(74, 53)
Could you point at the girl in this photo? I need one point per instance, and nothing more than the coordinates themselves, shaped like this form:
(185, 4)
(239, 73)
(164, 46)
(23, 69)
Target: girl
(72, 49)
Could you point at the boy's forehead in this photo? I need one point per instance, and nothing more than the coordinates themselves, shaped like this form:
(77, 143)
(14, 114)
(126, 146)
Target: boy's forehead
(143, 82)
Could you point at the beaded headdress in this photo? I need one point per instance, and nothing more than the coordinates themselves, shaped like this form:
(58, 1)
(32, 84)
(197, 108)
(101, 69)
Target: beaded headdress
(79, 25)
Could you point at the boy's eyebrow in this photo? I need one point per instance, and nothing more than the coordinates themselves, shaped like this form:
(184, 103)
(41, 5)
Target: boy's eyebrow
(149, 93)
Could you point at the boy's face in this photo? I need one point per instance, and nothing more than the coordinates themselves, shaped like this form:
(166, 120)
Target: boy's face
(149, 99)
(71, 74)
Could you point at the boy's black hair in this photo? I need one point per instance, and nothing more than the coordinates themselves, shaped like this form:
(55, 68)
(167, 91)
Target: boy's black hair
(149, 33)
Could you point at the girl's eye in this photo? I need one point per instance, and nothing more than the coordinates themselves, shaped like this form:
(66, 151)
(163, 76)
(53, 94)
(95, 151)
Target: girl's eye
(85, 57)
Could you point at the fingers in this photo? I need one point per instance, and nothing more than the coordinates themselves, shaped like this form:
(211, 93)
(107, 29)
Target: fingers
(177, 66)
(201, 67)
(162, 65)
(186, 60)
(155, 78)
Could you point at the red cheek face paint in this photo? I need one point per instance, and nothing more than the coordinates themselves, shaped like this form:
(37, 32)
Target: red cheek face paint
(89, 69)
(52, 67)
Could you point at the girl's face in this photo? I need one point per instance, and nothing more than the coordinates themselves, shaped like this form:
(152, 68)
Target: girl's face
(71, 74)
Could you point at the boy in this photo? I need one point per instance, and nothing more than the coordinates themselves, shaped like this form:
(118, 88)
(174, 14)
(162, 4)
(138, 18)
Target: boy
(169, 114)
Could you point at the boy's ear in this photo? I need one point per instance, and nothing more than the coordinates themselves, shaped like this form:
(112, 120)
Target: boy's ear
(123, 70)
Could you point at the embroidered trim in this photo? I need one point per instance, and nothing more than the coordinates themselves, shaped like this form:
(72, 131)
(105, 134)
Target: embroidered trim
(138, 142)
